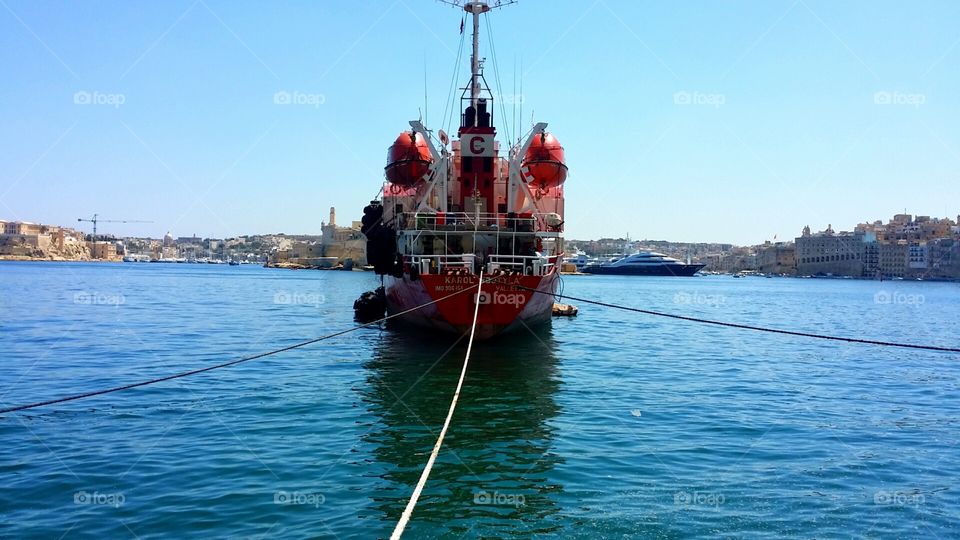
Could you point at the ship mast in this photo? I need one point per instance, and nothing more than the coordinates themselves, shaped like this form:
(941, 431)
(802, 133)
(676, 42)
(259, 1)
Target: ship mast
(476, 8)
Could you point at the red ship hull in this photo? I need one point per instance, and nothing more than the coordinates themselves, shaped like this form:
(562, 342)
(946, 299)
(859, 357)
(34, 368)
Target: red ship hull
(503, 307)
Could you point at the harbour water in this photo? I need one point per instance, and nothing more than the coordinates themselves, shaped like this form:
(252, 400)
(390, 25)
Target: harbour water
(610, 424)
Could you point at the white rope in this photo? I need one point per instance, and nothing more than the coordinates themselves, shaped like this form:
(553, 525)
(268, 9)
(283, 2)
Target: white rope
(408, 511)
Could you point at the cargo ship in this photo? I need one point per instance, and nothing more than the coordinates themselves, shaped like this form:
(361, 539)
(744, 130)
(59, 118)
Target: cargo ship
(455, 207)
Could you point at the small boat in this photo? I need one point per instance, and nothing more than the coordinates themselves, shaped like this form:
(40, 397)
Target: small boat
(579, 259)
(645, 263)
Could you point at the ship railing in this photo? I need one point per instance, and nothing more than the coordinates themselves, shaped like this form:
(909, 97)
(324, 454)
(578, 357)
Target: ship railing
(472, 221)
(443, 264)
(535, 265)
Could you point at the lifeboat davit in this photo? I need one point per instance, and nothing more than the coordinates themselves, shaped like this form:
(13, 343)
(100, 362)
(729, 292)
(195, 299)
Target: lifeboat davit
(545, 162)
(408, 160)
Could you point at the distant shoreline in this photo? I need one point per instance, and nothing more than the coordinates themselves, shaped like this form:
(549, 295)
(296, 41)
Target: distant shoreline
(683, 280)
(16, 258)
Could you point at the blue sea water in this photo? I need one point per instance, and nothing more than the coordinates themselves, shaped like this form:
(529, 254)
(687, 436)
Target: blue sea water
(608, 425)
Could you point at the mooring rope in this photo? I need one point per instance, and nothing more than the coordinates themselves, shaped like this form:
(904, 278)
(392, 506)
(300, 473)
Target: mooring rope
(224, 364)
(408, 511)
(743, 326)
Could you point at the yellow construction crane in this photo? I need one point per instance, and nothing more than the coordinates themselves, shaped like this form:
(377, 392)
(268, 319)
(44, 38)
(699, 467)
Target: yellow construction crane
(96, 220)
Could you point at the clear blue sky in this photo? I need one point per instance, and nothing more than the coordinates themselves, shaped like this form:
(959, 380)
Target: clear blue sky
(783, 128)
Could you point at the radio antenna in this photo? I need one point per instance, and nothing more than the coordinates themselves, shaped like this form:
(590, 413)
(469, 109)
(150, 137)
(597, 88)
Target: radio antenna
(521, 91)
(515, 98)
(426, 118)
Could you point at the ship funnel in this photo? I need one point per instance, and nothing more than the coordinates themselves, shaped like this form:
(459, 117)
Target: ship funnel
(483, 117)
(470, 117)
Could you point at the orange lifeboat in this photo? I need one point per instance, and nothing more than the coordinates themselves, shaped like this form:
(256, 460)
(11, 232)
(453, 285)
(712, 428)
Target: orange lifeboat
(408, 160)
(545, 162)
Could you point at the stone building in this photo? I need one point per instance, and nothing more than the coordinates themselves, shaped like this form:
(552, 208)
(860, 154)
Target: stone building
(36, 241)
(917, 260)
(893, 259)
(830, 253)
(344, 242)
(24, 228)
(944, 256)
(103, 250)
(777, 258)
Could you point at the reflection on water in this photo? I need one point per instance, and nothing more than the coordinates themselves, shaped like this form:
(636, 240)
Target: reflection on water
(491, 474)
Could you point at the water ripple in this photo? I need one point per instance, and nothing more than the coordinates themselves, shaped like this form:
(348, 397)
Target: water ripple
(608, 425)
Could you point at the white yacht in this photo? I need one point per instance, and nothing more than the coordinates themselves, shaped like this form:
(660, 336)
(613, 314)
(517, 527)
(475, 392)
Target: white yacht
(645, 263)
(579, 259)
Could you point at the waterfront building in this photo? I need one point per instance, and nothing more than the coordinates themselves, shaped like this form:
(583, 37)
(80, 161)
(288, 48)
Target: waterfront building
(917, 257)
(944, 257)
(189, 241)
(893, 259)
(871, 258)
(777, 258)
(24, 228)
(103, 250)
(830, 253)
(737, 260)
(302, 253)
(343, 242)
(25, 239)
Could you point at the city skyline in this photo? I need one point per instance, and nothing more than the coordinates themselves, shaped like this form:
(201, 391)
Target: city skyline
(868, 223)
(714, 124)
